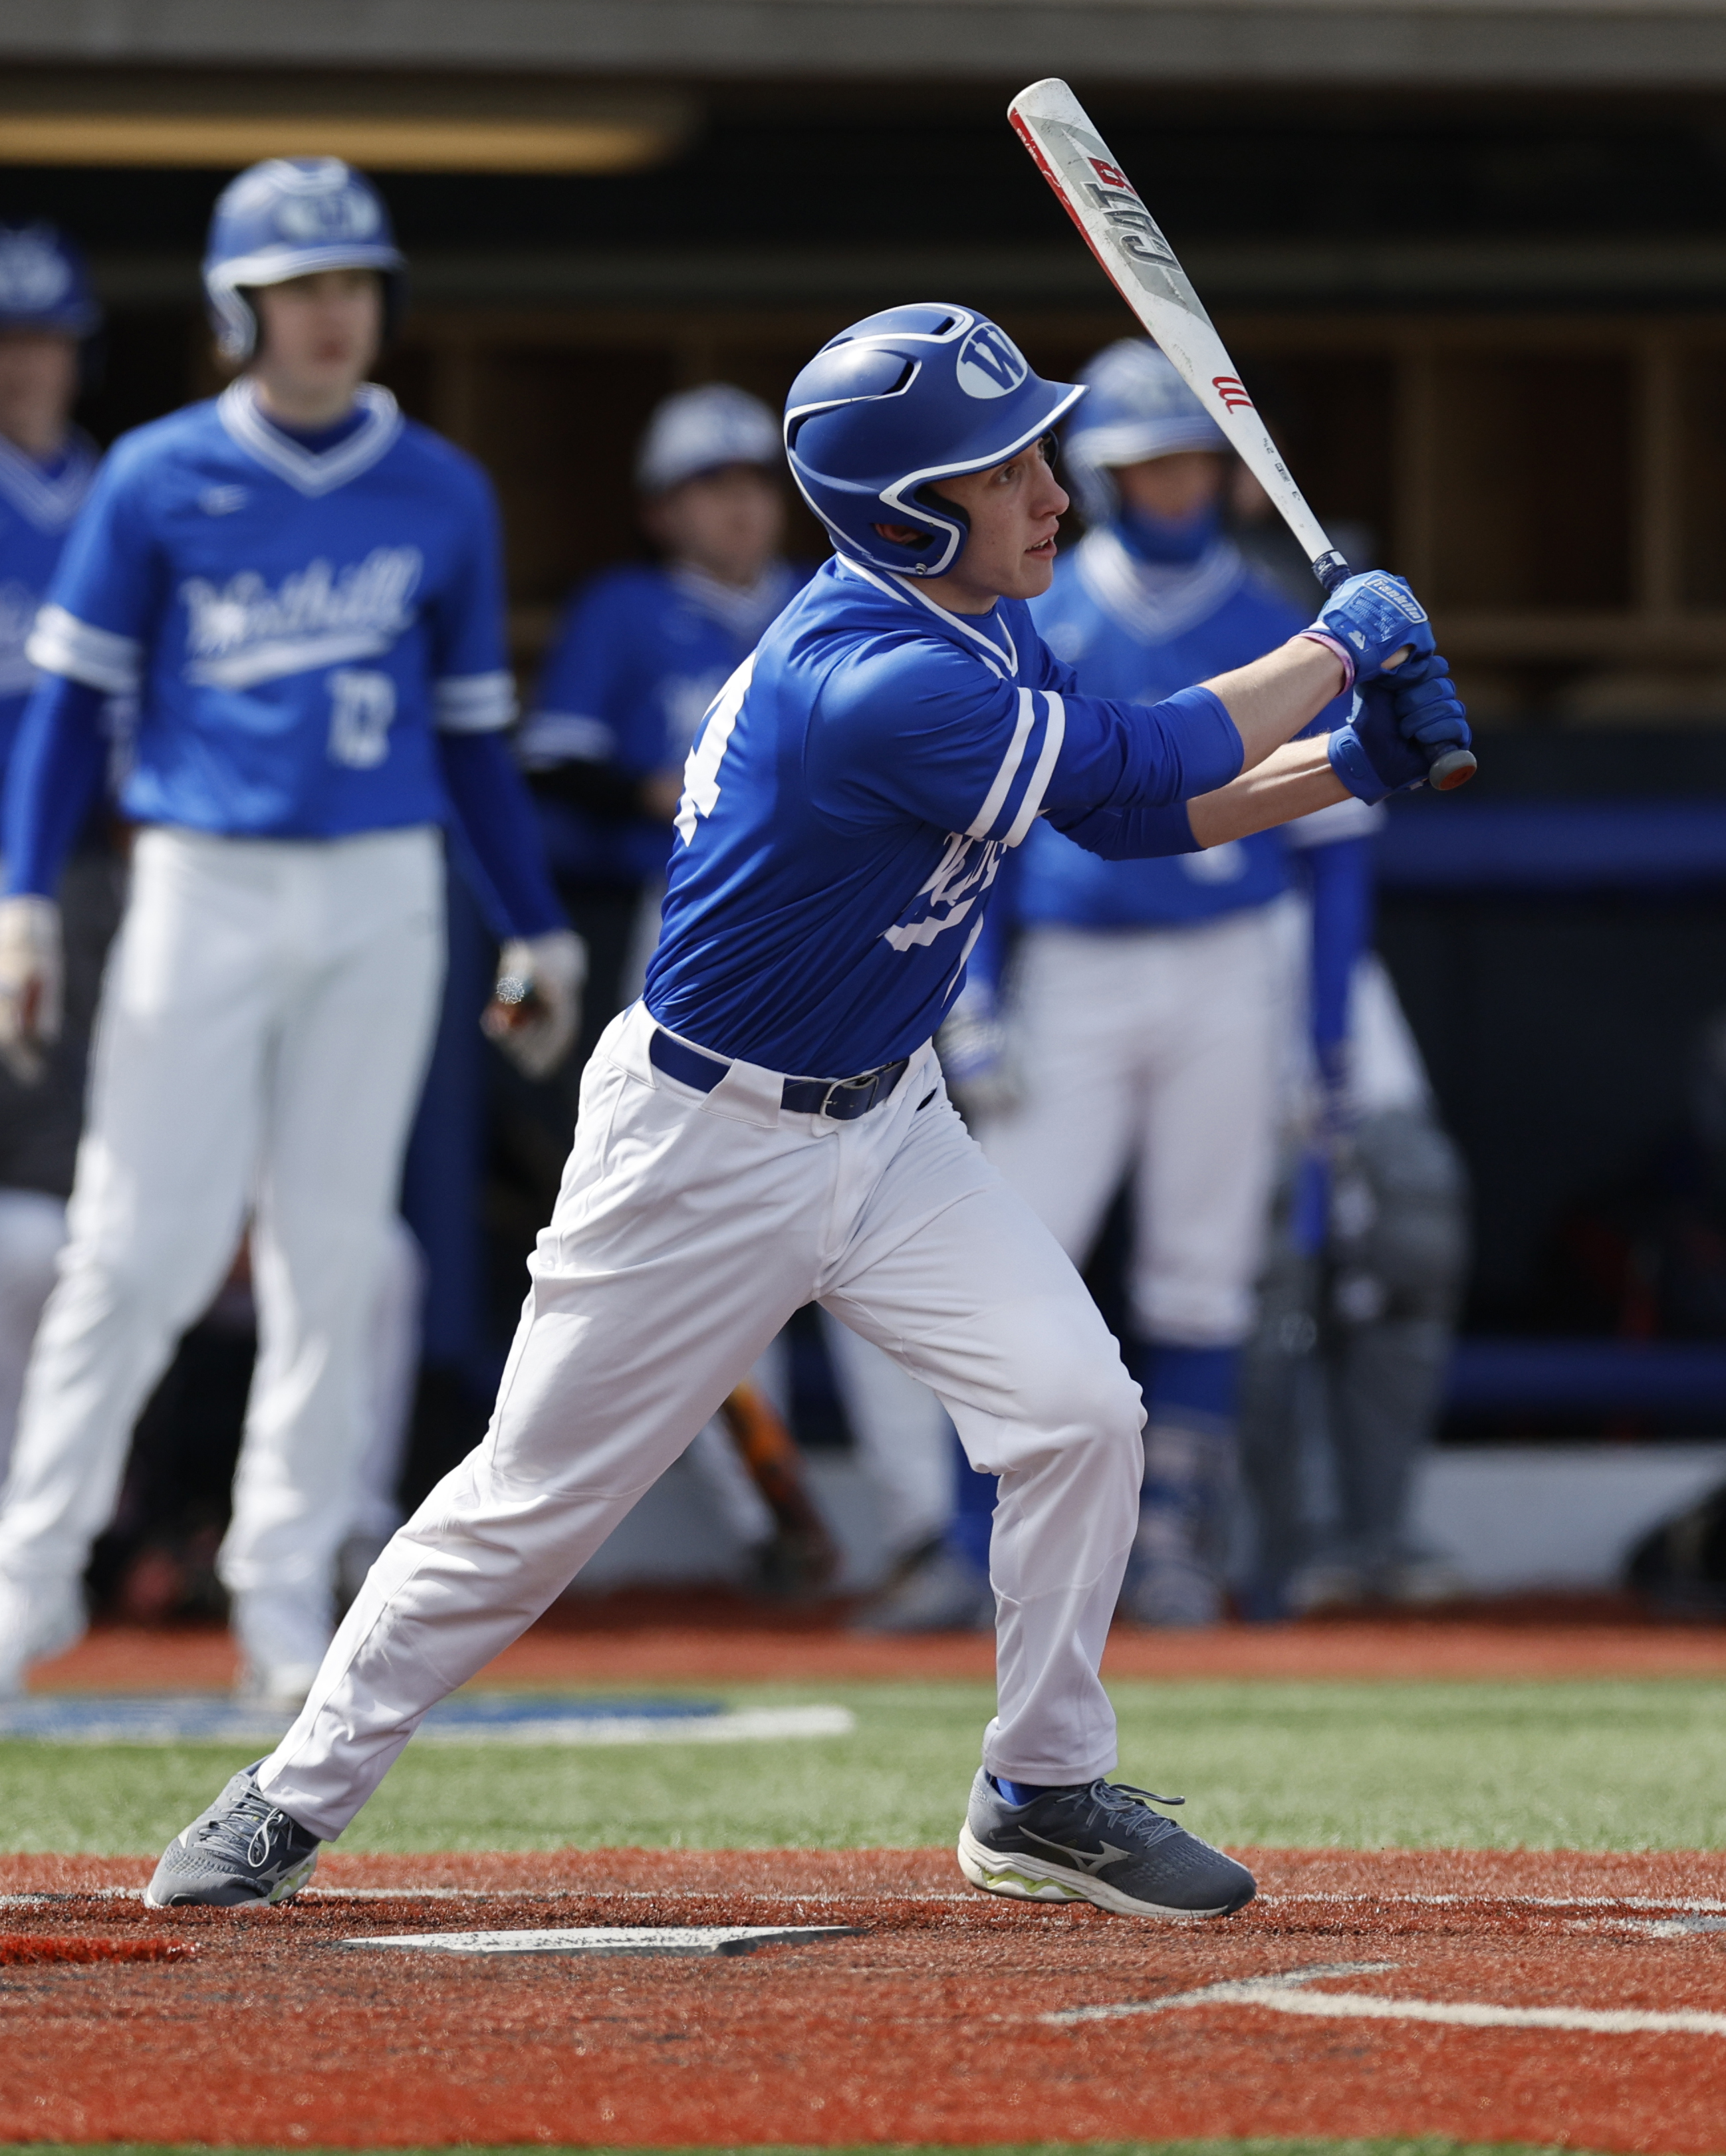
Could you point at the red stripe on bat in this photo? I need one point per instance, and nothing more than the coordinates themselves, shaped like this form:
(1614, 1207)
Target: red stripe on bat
(1228, 387)
(1066, 201)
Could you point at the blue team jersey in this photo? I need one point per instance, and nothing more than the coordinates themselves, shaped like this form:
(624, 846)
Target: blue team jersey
(295, 624)
(848, 802)
(1138, 633)
(639, 657)
(38, 503)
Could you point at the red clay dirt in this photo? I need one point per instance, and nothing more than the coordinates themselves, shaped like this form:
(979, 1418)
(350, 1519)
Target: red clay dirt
(930, 2026)
(717, 1640)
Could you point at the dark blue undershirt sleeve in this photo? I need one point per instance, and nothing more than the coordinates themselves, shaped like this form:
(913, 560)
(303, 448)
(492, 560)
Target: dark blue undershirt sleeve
(1132, 835)
(52, 783)
(495, 836)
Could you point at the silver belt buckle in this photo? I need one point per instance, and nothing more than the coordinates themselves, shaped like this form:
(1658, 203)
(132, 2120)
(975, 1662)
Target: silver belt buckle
(871, 1078)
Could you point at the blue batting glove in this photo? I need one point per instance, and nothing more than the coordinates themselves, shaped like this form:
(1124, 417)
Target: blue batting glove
(1369, 620)
(1400, 724)
(1428, 709)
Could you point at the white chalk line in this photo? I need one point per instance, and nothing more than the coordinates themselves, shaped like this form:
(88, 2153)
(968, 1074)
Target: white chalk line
(46, 1899)
(1524, 1901)
(1283, 1994)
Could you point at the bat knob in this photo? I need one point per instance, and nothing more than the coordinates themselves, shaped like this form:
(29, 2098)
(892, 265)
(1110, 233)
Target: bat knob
(1454, 769)
(1331, 570)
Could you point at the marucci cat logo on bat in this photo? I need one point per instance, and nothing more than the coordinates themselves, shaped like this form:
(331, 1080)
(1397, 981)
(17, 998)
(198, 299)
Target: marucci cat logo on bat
(1228, 387)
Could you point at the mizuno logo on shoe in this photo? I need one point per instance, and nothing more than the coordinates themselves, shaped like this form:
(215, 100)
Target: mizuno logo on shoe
(1092, 1861)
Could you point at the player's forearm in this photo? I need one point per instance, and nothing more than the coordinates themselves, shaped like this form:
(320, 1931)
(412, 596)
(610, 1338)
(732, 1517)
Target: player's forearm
(1272, 699)
(1290, 781)
(495, 817)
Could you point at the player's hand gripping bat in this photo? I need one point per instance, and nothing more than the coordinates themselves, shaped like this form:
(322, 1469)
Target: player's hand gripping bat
(1126, 240)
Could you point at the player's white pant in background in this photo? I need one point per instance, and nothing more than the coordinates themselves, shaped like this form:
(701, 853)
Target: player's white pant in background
(1158, 1051)
(687, 1229)
(262, 1039)
(32, 1230)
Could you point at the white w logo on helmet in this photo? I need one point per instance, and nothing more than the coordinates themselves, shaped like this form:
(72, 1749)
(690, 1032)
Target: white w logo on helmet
(345, 212)
(989, 363)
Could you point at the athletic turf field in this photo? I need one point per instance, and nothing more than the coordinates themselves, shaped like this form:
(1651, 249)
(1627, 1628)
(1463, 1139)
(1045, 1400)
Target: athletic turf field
(1492, 1916)
(1578, 1765)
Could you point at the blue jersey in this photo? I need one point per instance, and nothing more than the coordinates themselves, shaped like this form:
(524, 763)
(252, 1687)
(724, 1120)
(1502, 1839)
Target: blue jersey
(849, 799)
(38, 503)
(640, 654)
(1138, 632)
(294, 623)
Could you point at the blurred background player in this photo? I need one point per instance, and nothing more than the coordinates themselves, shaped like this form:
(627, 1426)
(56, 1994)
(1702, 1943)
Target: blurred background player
(1341, 1384)
(303, 593)
(643, 651)
(48, 321)
(1145, 1023)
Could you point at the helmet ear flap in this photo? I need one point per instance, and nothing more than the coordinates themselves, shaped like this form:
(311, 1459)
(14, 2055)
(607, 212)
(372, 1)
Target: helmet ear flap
(239, 320)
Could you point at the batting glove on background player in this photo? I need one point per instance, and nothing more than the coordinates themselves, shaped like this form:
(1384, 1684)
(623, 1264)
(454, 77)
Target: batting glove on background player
(1399, 725)
(535, 1011)
(33, 977)
(1367, 620)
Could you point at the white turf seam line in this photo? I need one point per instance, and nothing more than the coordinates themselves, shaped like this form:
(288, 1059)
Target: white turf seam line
(1282, 1994)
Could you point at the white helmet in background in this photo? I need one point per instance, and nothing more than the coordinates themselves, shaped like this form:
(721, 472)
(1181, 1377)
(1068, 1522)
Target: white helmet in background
(699, 430)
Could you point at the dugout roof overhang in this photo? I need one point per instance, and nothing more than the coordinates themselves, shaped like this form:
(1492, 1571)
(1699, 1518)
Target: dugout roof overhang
(1616, 45)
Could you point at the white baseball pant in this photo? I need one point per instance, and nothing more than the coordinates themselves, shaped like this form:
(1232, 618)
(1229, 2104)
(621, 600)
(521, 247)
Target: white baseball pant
(1156, 1050)
(688, 1228)
(32, 1230)
(262, 1038)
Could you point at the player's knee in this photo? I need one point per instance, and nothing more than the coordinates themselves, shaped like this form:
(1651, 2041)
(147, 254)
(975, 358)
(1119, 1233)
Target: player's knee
(1085, 1398)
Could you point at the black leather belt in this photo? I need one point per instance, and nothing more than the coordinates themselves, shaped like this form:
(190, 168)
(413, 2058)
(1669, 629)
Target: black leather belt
(841, 1100)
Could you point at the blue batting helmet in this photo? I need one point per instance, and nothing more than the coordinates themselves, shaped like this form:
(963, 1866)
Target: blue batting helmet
(899, 402)
(1138, 409)
(43, 283)
(288, 218)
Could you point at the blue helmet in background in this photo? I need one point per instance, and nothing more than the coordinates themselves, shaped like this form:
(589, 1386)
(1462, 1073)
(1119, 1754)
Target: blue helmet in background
(288, 218)
(1138, 409)
(43, 283)
(899, 402)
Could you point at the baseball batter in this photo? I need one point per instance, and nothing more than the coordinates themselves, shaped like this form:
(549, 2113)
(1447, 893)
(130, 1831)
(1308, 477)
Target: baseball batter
(846, 805)
(303, 592)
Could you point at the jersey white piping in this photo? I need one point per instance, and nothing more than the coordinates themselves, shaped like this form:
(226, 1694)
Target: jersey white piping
(983, 823)
(1054, 734)
(474, 703)
(1156, 604)
(311, 472)
(551, 737)
(61, 644)
(49, 504)
(905, 591)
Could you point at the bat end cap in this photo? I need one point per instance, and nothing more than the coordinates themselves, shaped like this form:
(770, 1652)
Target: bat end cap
(1454, 769)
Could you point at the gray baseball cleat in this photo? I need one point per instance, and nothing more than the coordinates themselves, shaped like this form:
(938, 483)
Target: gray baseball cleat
(1101, 1844)
(242, 1853)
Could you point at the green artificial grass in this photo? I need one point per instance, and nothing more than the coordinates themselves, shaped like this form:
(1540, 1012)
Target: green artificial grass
(1588, 1765)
